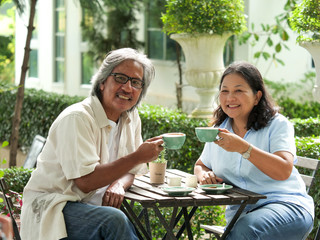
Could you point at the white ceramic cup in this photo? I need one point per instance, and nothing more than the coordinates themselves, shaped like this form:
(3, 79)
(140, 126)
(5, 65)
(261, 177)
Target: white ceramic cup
(174, 181)
(191, 181)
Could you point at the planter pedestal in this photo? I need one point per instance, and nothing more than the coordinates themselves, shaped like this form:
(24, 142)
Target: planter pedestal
(204, 67)
(314, 49)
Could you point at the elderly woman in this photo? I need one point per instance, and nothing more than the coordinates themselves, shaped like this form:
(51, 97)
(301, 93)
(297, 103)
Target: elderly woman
(256, 151)
(93, 150)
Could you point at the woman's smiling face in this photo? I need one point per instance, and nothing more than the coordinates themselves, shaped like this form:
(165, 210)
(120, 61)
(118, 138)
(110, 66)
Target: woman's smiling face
(237, 98)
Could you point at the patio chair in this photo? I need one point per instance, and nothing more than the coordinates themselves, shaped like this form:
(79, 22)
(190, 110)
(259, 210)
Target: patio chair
(303, 162)
(36, 148)
(4, 190)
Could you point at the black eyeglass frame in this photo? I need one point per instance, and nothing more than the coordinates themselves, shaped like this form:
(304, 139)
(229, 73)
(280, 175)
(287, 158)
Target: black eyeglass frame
(128, 79)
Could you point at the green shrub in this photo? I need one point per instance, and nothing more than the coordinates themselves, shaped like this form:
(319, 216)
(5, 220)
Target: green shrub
(204, 16)
(292, 109)
(39, 110)
(204, 215)
(17, 178)
(306, 127)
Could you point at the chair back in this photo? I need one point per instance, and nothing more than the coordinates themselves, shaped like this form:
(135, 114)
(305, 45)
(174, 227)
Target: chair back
(36, 148)
(308, 163)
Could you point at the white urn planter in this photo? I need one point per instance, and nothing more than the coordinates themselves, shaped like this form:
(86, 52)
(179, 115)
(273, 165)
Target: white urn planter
(314, 49)
(204, 67)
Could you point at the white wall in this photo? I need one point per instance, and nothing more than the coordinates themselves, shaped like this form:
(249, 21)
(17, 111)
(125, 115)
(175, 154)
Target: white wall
(297, 60)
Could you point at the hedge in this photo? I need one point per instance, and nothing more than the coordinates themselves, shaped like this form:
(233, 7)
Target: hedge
(292, 109)
(306, 127)
(41, 108)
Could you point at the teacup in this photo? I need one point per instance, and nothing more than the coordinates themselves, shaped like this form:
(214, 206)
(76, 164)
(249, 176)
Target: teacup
(173, 140)
(174, 181)
(191, 181)
(207, 134)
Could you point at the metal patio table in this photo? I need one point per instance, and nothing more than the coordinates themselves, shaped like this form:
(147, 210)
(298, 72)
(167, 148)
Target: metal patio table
(150, 196)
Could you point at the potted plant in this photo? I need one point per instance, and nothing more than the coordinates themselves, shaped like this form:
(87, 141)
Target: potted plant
(202, 27)
(305, 20)
(158, 168)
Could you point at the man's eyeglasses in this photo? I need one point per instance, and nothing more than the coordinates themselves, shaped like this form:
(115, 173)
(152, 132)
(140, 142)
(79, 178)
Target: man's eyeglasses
(123, 79)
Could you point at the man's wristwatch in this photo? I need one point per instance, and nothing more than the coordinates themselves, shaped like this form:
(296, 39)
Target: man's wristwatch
(246, 154)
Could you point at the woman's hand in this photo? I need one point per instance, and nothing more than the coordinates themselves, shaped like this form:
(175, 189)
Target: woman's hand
(209, 178)
(231, 142)
(204, 174)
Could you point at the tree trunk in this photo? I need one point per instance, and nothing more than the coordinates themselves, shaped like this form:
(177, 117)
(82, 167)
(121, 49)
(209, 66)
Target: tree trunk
(20, 95)
(179, 85)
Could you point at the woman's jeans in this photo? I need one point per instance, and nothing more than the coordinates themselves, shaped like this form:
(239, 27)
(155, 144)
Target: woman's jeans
(274, 221)
(90, 222)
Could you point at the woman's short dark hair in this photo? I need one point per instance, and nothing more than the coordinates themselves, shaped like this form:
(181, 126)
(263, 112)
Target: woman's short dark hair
(113, 59)
(264, 111)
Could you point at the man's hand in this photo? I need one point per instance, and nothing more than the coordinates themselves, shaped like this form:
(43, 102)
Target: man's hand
(150, 149)
(114, 195)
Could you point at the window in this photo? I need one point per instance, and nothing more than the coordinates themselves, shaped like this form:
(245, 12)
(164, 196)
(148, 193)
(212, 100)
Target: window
(60, 29)
(158, 44)
(33, 63)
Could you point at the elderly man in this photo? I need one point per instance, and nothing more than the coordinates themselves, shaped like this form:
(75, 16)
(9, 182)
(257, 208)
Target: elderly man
(93, 150)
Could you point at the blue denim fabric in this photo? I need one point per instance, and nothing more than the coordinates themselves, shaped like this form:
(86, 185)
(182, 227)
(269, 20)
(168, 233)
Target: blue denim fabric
(90, 222)
(274, 221)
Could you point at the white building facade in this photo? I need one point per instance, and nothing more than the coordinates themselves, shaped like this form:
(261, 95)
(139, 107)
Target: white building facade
(58, 53)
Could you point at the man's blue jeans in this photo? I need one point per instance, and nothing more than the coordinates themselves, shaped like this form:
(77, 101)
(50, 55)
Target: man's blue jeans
(274, 221)
(89, 222)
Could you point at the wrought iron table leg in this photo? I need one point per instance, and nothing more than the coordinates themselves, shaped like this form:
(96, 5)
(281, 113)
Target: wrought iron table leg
(189, 216)
(129, 212)
(164, 223)
(234, 219)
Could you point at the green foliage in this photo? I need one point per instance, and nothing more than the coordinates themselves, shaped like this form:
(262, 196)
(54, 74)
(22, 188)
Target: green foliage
(39, 111)
(292, 109)
(7, 59)
(3, 161)
(204, 215)
(306, 127)
(17, 178)
(162, 157)
(204, 16)
(6, 86)
(308, 147)
(305, 20)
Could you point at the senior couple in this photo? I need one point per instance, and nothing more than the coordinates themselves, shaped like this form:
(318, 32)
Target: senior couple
(94, 149)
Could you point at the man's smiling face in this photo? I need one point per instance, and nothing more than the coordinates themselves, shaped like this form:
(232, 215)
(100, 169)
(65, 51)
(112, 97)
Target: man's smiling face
(116, 97)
